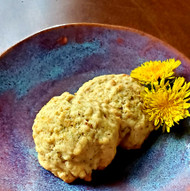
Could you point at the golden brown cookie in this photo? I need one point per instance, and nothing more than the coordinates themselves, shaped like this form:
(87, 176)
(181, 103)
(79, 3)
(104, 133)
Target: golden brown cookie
(122, 93)
(74, 137)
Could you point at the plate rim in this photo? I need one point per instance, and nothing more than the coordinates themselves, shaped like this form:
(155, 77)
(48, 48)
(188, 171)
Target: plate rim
(114, 27)
(101, 25)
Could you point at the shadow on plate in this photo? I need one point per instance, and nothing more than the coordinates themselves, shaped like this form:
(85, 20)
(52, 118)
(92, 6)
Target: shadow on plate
(121, 166)
(124, 161)
(182, 129)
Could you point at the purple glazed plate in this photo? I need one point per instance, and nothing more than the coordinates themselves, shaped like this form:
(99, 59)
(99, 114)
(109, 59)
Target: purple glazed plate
(61, 59)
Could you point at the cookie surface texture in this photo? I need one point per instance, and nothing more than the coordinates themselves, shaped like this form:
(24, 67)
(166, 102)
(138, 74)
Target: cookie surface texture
(74, 139)
(122, 93)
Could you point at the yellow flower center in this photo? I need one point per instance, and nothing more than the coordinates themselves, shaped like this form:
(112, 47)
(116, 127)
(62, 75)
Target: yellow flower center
(165, 104)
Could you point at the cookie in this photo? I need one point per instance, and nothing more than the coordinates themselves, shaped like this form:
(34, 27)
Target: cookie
(74, 137)
(122, 93)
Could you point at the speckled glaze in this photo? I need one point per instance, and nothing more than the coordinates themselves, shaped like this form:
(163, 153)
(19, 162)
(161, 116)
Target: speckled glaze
(62, 59)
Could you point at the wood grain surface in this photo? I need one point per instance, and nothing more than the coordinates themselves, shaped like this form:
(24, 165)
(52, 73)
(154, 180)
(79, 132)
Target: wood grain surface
(168, 20)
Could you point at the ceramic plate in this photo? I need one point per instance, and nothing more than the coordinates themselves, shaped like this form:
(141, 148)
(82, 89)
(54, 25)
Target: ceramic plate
(62, 59)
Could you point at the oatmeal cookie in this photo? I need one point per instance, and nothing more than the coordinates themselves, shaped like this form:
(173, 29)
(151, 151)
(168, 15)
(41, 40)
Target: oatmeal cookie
(122, 93)
(74, 137)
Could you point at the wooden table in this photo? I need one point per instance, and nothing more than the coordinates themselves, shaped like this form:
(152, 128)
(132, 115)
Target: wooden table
(168, 20)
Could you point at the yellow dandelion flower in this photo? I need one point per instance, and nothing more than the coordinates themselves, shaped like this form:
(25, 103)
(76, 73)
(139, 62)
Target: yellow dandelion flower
(153, 70)
(166, 104)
